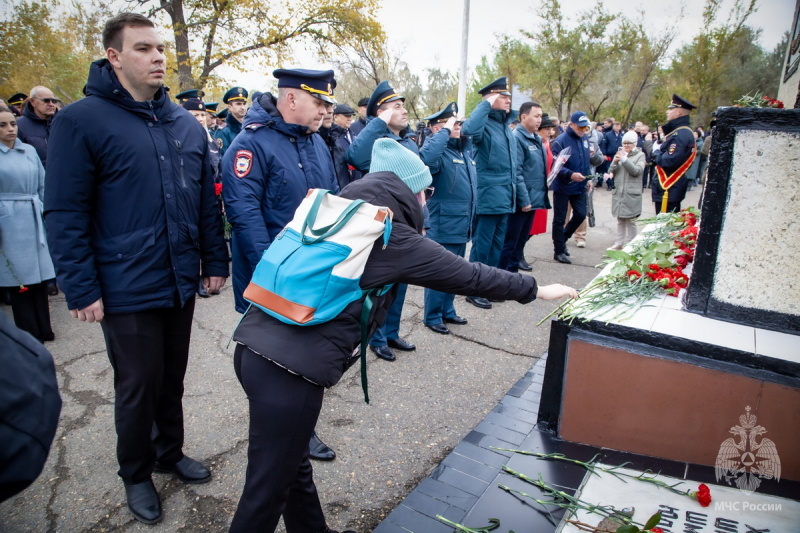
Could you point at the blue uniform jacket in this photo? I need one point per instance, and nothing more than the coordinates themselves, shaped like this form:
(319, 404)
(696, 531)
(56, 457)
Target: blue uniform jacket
(129, 200)
(531, 165)
(225, 136)
(266, 173)
(452, 206)
(359, 154)
(577, 162)
(612, 140)
(495, 159)
(673, 152)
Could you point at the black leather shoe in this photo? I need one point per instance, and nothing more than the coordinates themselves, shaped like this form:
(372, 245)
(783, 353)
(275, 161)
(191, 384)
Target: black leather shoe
(438, 328)
(384, 352)
(495, 300)
(319, 450)
(477, 301)
(562, 258)
(524, 265)
(187, 470)
(143, 501)
(401, 344)
(456, 320)
(52, 288)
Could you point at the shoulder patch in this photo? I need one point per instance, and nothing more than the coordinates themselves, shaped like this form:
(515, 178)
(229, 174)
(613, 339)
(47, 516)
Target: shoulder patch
(254, 126)
(672, 148)
(242, 163)
(219, 142)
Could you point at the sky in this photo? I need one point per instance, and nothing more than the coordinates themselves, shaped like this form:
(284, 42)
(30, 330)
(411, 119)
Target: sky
(416, 29)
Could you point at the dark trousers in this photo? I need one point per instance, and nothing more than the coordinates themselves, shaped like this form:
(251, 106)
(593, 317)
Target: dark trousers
(32, 310)
(488, 238)
(517, 234)
(561, 234)
(390, 329)
(439, 305)
(672, 207)
(646, 176)
(148, 351)
(284, 409)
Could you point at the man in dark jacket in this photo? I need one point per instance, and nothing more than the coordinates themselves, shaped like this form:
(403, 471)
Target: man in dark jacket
(236, 100)
(387, 117)
(284, 369)
(495, 157)
(452, 206)
(610, 144)
(339, 139)
(674, 157)
(361, 122)
(531, 185)
(34, 124)
(570, 184)
(132, 224)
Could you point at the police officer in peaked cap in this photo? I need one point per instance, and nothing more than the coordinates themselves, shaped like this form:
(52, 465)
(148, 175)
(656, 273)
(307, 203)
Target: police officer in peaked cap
(236, 100)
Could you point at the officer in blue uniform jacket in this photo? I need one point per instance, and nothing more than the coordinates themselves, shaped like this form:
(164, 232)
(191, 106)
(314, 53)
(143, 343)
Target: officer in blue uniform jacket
(236, 100)
(269, 168)
(531, 188)
(674, 151)
(386, 117)
(452, 205)
(570, 184)
(495, 157)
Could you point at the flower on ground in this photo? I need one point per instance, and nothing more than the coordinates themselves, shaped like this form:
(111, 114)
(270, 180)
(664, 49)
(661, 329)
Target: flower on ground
(702, 495)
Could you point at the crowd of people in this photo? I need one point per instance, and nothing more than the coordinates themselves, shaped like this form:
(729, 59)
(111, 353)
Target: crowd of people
(131, 216)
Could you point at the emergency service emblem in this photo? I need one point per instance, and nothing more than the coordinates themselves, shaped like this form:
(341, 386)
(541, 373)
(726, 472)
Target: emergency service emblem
(242, 163)
(672, 148)
(219, 142)
(743, 460)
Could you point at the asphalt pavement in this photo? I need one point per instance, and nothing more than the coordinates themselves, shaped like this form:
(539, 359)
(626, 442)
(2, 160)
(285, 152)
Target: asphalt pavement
(421, 407)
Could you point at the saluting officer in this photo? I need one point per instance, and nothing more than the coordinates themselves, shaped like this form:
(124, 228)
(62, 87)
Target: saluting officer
(236, 100)
(674, 157)
(452, 206)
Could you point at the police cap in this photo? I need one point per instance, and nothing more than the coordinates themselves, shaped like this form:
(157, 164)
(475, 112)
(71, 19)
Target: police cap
(364, 102)
(500, 86)
(17, 99)
(677, 101)
(211, 106)
(222, 115)
(382, 94)
(318, 83)
(450, 110)
(343, 109)
(193, 104)
(235, 93)
(191, 93)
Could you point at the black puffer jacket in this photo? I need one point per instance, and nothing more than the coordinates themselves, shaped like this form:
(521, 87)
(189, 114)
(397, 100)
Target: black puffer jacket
(322, 353)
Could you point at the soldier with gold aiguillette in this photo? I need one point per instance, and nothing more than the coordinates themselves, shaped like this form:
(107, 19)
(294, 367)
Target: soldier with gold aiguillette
(674, 157)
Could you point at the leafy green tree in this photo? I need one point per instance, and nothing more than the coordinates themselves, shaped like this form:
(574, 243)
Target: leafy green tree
(235, 32)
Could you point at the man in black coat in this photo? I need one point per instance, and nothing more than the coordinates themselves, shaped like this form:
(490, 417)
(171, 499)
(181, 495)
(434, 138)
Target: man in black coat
(674, 157)
(34, 124)
(284, 369)
(132, 223)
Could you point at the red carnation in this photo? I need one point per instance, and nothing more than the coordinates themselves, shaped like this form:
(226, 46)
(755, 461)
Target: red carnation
(656, 530)
(23, 288)
(218, 189)
(654, 267)
(702, 495)
(682, 259)
(633, 275)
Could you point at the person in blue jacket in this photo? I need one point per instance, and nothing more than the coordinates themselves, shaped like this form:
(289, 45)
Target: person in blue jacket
(132, 223)
(236, 100)
(531, 188)
(570, 184)
(495, 158)
(610, 145)
(452, 205)
(37, 116)
(387, 117)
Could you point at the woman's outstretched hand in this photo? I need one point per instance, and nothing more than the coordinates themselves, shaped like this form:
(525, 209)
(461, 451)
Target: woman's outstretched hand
(555, 292)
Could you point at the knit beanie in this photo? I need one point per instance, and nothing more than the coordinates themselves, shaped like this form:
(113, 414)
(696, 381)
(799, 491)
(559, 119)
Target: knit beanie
(631, 137)
(389, 155)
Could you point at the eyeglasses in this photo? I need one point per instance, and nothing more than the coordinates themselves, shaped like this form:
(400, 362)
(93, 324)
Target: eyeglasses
(47, 100)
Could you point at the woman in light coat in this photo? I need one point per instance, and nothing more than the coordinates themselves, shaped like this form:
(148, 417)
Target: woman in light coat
(626, 203)
(25, 261)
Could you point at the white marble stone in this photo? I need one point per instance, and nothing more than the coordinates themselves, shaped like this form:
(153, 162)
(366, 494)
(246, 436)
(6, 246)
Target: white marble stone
(729, 511)
(759, 244)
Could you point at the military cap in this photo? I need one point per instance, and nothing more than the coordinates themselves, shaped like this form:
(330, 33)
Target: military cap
(677, 101)
(235, 93)
(222, 115)
(191, 93)
(193, 104)
(450, 110)
(17, 99)
(318, 83)
(211, 106)
(343, 109)
(500, 86)
(363, 102)
(547, 122)
(382, 94)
